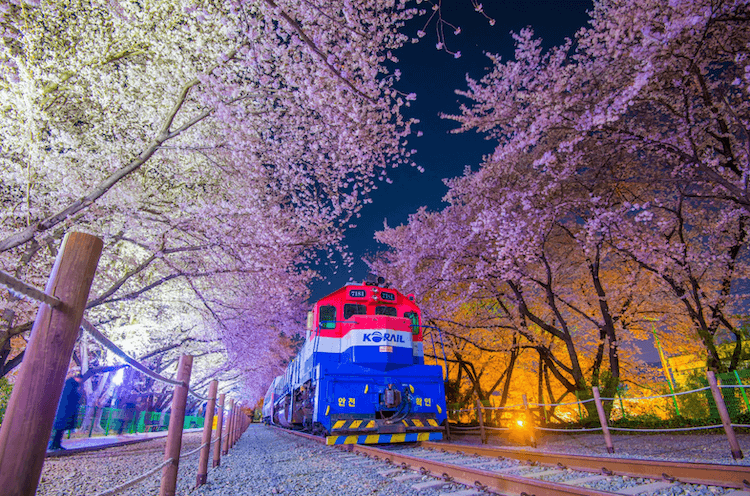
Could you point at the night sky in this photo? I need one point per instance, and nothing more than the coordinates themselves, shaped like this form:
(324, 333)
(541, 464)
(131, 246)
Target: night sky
(434, 75)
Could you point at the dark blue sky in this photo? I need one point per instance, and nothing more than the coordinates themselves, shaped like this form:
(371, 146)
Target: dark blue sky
(434, 76)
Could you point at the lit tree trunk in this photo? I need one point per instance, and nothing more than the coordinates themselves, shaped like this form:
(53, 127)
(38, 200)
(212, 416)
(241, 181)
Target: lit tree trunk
(540, 390)
(93, 402)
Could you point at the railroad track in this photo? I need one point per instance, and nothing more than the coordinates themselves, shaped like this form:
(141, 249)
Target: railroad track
(523, 472)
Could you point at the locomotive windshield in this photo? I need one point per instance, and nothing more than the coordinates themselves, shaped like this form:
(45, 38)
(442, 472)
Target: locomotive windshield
(327, 318)
(384, 310)
(354, 309)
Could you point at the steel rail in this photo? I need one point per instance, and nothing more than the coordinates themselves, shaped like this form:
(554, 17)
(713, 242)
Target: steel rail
(317, 439)
(736, 476)
(465, 475)
(472, 477)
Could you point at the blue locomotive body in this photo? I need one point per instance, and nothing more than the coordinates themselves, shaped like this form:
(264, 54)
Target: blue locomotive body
(360, 376)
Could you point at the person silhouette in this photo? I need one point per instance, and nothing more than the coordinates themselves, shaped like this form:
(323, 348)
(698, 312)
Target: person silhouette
(65, 418)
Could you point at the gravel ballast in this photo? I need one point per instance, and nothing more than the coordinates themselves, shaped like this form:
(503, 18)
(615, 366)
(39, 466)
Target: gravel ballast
(268, 461)
(693, 448)
(93, 472)
(264, 461)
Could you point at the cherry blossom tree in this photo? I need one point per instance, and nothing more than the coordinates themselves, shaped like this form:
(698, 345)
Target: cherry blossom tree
(552, 287)
(479, 359)
(648, 110)
(243, 82)
(212, 145)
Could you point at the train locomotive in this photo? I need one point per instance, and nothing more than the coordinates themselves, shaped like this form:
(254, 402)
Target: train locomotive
(360, 377)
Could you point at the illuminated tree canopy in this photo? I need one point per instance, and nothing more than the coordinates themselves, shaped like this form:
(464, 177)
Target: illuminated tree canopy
(215, 146)
(616, 193)
(220, 146)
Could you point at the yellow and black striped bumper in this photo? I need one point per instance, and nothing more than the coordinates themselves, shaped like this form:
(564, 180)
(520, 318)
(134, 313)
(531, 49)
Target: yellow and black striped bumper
(374, 425)
(370, 431)
(405, 437)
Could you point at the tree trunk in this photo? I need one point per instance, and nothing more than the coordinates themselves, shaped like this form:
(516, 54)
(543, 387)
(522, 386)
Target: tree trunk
(94, 400)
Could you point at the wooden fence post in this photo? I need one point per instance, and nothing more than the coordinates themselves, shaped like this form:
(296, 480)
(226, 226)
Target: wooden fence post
(603, 420)
(176, 426)
(240, 424)
(31, 410)
(207, 428)
(230, 411)
(482, 435)
(219, 425)
(243, 423)
(232, 424)
(530, 420)
(236, 424)
(724, 414)
(447, 427)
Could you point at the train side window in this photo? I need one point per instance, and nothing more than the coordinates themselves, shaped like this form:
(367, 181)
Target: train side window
(414, 321)
(327, 317)
(384, 310)
(354, 309)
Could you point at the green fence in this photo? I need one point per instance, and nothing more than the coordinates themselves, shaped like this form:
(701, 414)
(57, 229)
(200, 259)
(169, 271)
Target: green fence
(122, 421)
